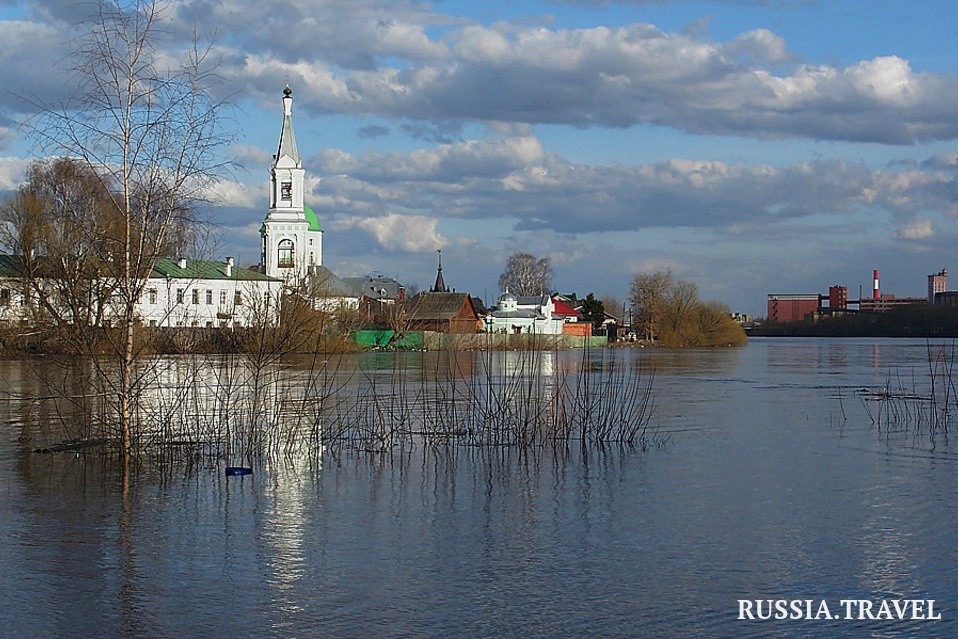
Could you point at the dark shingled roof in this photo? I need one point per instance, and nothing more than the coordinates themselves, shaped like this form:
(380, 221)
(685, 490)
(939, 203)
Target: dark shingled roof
(438, 306)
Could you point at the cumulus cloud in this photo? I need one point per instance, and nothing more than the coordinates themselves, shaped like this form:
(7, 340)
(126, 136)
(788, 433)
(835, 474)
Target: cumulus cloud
(395, 232)
(516, 180)
(407, 60)
(621, 77)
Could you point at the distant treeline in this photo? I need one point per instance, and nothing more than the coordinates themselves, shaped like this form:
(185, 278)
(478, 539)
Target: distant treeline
(907, 321)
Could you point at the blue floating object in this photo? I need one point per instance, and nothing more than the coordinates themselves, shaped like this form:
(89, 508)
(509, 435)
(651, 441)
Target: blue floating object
(235, 471)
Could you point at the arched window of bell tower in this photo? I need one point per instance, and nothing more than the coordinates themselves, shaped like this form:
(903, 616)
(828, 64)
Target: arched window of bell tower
(285, 254)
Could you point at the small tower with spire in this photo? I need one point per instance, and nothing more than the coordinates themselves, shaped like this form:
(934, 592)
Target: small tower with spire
(440, 285)
(292, 240)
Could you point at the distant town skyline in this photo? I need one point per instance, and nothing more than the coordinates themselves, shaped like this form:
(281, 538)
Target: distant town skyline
(753, 147)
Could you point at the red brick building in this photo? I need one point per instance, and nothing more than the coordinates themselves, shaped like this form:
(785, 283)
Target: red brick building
(791, 307)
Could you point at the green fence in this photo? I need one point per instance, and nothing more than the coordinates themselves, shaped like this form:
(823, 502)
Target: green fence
(389, 339)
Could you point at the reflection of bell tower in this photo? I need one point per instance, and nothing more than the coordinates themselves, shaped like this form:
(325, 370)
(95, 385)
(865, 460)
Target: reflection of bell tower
(292, 237)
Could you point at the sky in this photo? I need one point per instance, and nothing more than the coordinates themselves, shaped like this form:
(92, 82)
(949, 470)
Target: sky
(752, 147)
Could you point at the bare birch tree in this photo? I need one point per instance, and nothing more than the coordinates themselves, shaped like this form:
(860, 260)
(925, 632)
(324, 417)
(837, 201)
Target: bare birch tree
(527, 274)
(146, 124)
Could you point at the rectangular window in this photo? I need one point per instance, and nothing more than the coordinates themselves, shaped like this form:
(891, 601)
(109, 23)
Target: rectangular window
(179, 296)
(151, 293)
(223, 298)
(196, 296)
(153, 323)
(286, 191)
(238, 298)
(209, 296)
(4, 297)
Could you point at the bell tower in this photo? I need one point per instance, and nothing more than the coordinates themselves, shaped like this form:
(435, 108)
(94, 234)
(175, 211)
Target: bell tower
(291, 236)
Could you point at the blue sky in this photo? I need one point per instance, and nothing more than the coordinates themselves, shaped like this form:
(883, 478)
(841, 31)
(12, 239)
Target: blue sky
(752, 147)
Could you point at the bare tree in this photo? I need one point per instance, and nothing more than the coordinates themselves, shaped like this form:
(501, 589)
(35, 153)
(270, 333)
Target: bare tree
(56, 228)
(527, 274)
(671, 313)
(648, 295)
(146, 124)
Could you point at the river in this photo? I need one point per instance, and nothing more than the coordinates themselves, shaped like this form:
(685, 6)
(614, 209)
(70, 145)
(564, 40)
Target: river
(768, 479)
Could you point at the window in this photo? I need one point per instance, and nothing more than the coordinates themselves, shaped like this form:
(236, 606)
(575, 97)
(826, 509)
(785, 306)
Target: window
(196, 296)
(4, 297)
(179, 296)
(151, 293)
(223, 297)
(285, 257)
(286, 191)
(238, 298)
(152, 323)
(209, 297)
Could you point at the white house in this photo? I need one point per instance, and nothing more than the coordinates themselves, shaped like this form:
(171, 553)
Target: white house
(524, 314)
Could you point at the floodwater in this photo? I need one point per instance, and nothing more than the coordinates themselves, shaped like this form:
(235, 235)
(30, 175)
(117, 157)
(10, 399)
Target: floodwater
(769, 480)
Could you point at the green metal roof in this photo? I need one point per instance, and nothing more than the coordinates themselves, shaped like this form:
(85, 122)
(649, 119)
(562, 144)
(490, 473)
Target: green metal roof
(204, 269)
(312, 219)
(12, 266)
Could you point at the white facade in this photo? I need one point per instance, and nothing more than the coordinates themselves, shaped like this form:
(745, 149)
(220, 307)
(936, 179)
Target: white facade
(178, 293)
(208, 294)
(292, 240)
(518, 315)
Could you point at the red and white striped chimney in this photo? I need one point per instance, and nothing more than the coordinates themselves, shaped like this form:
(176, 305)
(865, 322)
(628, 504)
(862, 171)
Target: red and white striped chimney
(875, 293)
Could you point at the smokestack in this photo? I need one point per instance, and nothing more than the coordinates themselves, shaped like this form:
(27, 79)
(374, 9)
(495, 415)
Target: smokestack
(875, 293)
(228, 271)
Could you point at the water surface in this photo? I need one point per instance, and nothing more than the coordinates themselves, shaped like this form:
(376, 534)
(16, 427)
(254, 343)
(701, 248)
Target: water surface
(772, 482)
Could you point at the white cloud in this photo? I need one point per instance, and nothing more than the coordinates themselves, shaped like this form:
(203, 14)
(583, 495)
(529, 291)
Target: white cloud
(230, 193)
(888, 79)
(410, 233)
(12, 172)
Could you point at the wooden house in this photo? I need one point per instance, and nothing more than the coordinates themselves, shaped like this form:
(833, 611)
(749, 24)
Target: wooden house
(444, 313)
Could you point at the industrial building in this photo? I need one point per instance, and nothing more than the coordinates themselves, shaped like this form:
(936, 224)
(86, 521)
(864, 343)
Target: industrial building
(796, 307)
(792, 307)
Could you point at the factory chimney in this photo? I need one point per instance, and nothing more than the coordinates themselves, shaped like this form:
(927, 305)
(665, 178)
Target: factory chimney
(875, 293)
